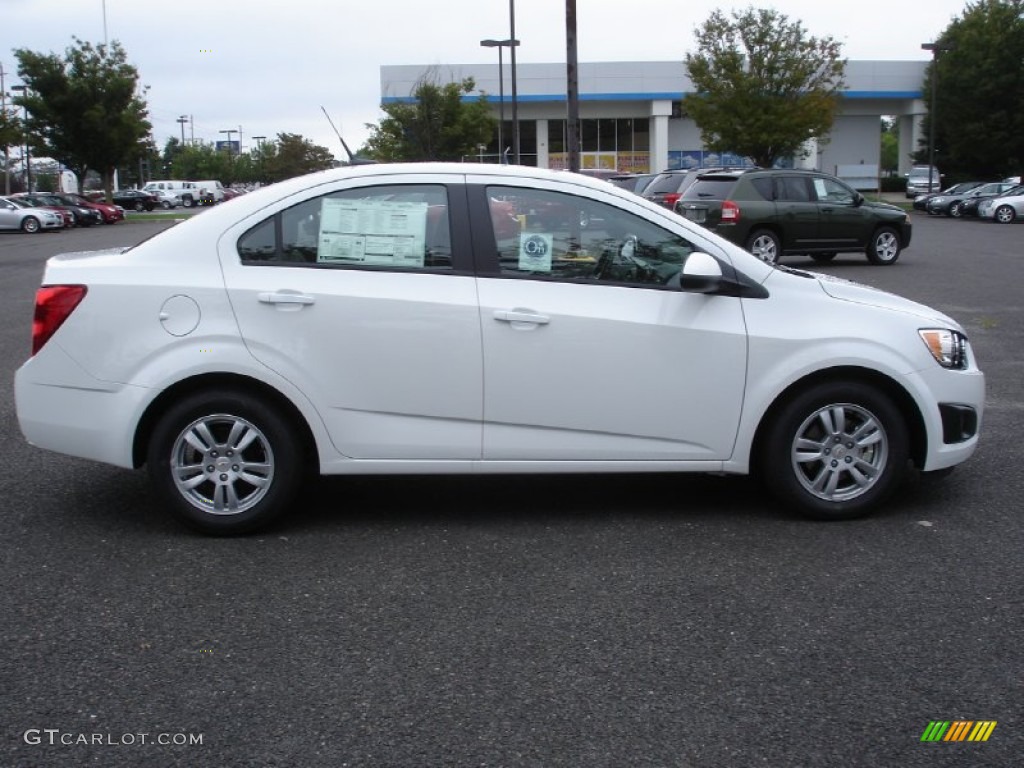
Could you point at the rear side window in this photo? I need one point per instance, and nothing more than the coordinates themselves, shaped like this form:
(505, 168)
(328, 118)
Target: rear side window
(794, 189)
(393, 227)
(667, 182)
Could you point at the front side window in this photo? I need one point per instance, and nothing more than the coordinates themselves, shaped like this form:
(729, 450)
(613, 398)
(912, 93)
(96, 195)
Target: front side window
(552, 235)
(831, 191)
(399, 227)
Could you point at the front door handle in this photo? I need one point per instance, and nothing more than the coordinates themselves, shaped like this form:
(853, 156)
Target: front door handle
(520, 316)
(285, 297)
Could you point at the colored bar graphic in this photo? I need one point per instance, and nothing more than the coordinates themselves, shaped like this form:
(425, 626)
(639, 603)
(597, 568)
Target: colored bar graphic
(958, 730)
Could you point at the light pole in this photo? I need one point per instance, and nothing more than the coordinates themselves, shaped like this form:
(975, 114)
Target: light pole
(515, 97)
(27, 157)
(259, 150)
(936, 49)
(499, 44)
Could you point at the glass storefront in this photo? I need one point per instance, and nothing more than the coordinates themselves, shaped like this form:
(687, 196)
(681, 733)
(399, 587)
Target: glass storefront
(618, 144)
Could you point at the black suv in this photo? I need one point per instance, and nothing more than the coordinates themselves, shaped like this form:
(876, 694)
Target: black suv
(776, 212)
(667, 187)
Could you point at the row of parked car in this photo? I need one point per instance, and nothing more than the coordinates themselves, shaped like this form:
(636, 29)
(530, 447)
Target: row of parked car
(1000, 201)
(775, 212)
(39, 211)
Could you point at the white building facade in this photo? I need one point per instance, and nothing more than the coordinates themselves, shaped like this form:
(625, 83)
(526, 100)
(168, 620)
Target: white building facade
(633, 114)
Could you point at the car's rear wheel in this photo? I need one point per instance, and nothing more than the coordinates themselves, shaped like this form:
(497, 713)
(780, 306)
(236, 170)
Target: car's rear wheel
(1005, 214)
(835, 451)
(30, 224)
(823, 258)
(884, 246)
(765, 244)
(225, 462)
(187, 202)
(165, 204)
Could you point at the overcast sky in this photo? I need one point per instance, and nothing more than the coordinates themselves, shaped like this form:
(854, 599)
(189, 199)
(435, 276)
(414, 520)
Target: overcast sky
(268, 65)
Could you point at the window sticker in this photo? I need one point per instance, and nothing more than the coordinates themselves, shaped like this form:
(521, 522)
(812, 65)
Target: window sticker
(386, 233)
(819, 189)
(535, 252)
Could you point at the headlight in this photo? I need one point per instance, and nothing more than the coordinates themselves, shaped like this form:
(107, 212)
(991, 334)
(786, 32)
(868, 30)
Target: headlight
(949, 348)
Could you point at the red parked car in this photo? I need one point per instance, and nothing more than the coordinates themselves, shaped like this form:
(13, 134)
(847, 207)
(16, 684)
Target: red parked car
(110, 213)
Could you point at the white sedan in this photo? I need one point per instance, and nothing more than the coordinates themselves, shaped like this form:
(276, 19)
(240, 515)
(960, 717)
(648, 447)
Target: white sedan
(437, 318)
(1002, 209)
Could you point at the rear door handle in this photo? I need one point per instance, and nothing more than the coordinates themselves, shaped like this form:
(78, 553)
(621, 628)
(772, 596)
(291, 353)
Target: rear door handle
(285, 297)
(520, 316)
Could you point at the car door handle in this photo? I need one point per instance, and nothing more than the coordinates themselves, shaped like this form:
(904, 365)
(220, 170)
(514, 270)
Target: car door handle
(285, 297)
(520, 316)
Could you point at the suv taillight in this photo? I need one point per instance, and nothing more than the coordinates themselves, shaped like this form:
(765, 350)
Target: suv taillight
(730, 211)
(54, 304)
(670, 200)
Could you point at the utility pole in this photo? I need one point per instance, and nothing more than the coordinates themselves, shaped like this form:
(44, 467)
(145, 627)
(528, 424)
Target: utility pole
(515, 98)
(572, 124)
(3, 117)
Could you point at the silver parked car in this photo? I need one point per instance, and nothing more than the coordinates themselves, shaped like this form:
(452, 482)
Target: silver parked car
(14, 214)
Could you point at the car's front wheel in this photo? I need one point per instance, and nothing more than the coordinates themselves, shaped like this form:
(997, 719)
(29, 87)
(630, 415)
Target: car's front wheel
(165, 204)
(956, 210)
(140, 206)
(1005, 214)
(30, 224)
(765, 244)
(836, 450)
(187, 202)
(884, 246)
(225, 462)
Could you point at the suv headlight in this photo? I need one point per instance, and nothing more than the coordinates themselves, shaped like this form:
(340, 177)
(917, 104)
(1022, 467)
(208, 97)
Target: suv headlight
(948, 347)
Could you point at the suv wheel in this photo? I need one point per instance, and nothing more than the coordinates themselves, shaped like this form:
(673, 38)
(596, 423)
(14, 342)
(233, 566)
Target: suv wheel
(187, 202)
(884, 246)
(765, 245)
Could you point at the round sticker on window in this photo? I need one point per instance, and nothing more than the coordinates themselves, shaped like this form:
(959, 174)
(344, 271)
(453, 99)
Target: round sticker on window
(535, 253)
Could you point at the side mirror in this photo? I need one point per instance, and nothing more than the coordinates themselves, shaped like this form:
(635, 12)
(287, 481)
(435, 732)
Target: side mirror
(858, 200)
(701, 274)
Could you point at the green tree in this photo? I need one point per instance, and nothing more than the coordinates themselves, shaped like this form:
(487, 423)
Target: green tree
(292, 155)
(85, 109)
(762, 86)
(436, 125)
(979, 128)
(11, 135)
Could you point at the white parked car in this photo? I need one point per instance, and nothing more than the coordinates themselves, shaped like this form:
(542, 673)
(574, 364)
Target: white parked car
(1002, 209)
(16, 214)
(454, 318)
(168, 198)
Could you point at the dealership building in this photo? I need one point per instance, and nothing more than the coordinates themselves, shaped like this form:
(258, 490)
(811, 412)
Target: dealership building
(633, 114)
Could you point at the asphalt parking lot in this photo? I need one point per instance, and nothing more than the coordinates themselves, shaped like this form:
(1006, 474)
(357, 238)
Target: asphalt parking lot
(524, 621)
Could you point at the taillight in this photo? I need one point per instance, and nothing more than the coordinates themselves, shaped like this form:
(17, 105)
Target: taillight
(670, 200)
(730, 211)
(54, 304)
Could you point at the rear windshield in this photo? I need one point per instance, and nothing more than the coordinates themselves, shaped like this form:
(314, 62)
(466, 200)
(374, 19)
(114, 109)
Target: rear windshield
(710, 188)
(667, 182)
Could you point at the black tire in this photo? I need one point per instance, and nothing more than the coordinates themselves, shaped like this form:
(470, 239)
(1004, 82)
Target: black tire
(139, 206)
(765, 244)
(250, 459)
(884, 246)
(1004, 214)
(835, 451)
(823, 258)
(956, 210)
(187, 202)
(165, 204)
(30, 224)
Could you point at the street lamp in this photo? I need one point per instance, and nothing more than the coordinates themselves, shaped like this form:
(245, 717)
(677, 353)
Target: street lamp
(499, 44)
(936, 49)
(515, 98)
(27, 158)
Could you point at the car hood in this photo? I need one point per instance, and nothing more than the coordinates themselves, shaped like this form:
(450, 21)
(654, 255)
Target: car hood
(846, 290)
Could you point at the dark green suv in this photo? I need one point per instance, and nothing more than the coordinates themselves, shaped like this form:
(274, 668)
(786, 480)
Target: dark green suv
(775, 212)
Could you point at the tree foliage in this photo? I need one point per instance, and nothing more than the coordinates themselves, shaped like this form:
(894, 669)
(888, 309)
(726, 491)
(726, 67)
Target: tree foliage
(436, 125)
(85, 109)
(762, 86)
(979, 111)
(287, 155)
